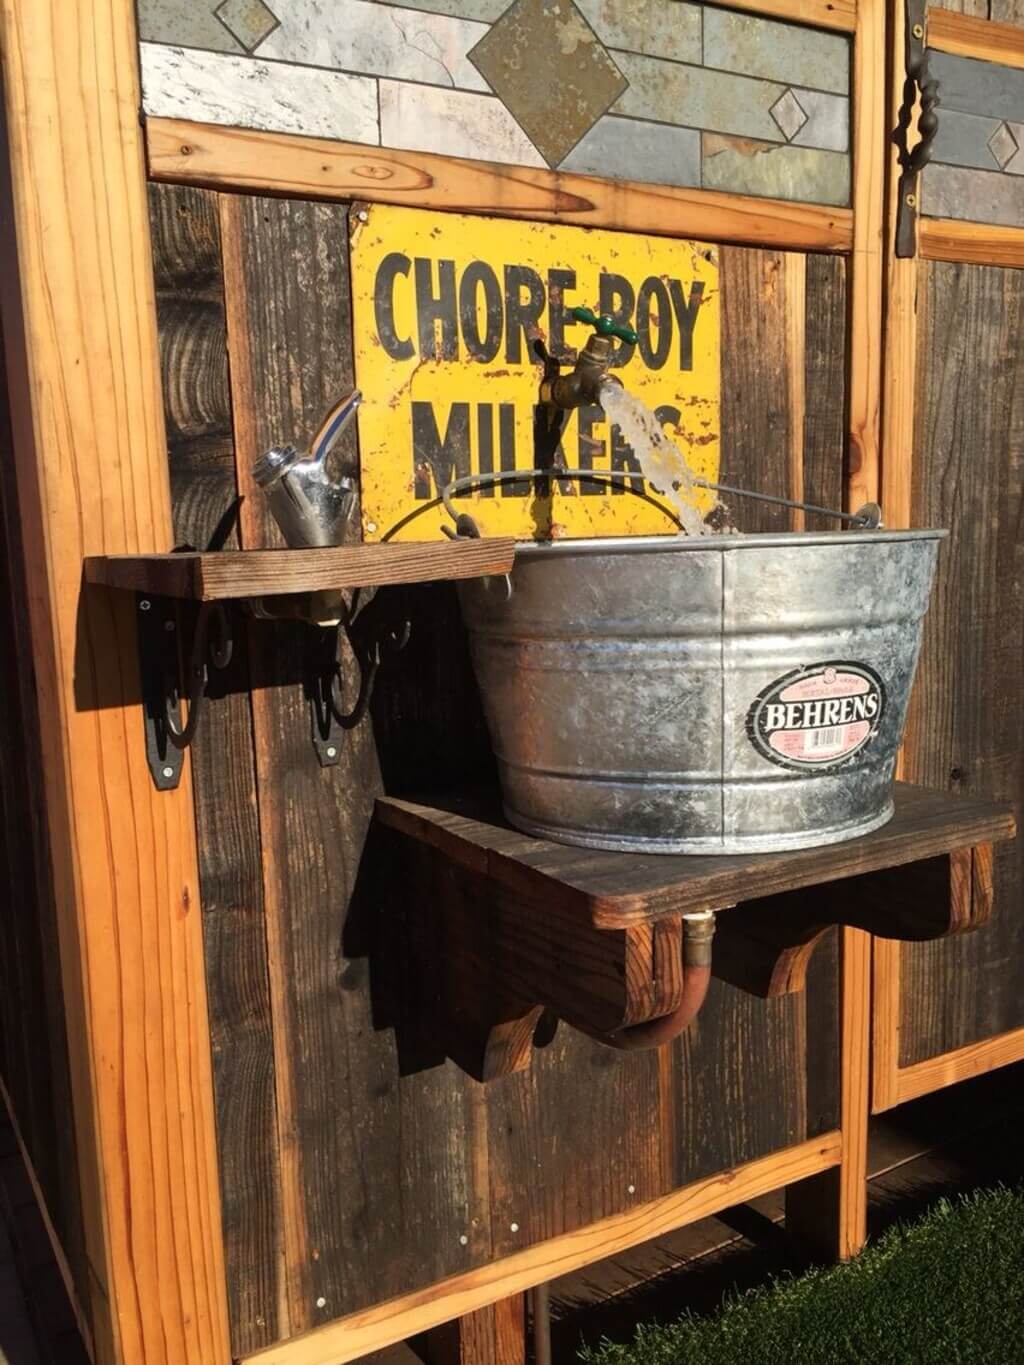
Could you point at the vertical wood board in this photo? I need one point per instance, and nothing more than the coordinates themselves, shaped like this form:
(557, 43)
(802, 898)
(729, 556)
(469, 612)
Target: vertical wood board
(197, 406)
(964, 731)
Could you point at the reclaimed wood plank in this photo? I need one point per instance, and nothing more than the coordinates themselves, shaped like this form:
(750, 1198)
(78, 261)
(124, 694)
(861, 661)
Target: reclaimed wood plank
(964, 729)
(191, 326)
(364, 1141)
(615, 890)
(392, 1321)
(282, 163)
(757, 417)
(825, 352)
(266, 573)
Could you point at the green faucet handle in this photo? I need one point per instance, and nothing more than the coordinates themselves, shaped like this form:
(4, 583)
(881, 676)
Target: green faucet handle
(604, 325)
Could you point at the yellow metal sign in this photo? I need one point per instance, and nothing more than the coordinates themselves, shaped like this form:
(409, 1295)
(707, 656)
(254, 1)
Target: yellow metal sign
(446, 310)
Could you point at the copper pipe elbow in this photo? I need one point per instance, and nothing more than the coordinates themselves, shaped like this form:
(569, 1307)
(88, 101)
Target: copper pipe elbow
(698, 931)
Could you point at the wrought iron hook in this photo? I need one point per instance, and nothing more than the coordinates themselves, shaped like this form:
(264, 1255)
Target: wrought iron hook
(325, 701)
(198, 672)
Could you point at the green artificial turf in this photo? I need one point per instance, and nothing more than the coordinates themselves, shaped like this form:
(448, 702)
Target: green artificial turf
(947, 1288)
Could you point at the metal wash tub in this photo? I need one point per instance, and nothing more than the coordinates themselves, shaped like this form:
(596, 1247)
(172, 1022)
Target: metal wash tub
(728, 694)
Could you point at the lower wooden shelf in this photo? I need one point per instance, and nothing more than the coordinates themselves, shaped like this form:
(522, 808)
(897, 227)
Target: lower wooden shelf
(520, 925)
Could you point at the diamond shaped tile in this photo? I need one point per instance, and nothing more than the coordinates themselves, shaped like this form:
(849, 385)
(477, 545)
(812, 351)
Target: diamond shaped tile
(551, 71)
(789, 115)
(1003, 146)
(250, 21)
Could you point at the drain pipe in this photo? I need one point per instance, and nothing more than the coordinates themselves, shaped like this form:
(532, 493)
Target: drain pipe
(540, 1314)
(698, 931)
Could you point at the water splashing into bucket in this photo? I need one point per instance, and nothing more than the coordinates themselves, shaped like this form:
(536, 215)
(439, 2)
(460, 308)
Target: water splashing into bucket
(663, 464)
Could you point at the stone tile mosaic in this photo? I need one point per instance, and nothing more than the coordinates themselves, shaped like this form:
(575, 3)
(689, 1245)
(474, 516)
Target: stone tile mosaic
(828, 121)
(1003, 146)
(789, 114)
(776, 51)
(485, 10)
(377, 40)
(425, 118)
(977, 162)
(185, 23)
(962, 140)
(670, 29)
(717, 101)
(216, 88)
(628, 149)
(977, 196)
(250, 21)
(551, 71)
(744, 166)
(630, 89)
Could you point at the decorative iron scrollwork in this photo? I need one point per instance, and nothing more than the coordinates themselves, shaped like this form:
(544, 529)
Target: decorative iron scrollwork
(918, 83)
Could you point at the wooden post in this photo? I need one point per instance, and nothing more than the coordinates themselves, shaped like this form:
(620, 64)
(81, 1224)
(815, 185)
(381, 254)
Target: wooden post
(490, 1336)
(829, 1212)
(91, 471)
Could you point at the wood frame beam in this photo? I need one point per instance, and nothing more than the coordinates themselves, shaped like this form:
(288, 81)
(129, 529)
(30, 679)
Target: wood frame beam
(283, 163)
(92, 478)
(952, 239)
(835, 14)
(382, 1325)
(963, 35)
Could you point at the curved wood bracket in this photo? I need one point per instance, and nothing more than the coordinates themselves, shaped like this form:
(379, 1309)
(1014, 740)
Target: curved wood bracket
(504, 927)
(764, 946)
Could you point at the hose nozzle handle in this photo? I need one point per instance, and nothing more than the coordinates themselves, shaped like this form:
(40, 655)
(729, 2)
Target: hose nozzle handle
(604, 325)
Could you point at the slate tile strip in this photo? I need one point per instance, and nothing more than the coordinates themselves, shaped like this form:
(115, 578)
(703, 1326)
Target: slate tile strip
(972, 195)
(369, 39)
(217, 88)
(977, 167)
(775, 51)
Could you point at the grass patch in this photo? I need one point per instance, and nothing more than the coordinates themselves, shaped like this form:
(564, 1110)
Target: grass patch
(947, 1288)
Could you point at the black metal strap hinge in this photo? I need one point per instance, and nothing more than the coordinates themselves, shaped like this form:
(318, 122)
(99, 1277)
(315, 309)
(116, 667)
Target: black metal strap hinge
(917, 83)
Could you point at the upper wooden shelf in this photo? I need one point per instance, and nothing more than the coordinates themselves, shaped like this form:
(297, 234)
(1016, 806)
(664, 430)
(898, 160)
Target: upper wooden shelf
(226, 574)
(623, 890)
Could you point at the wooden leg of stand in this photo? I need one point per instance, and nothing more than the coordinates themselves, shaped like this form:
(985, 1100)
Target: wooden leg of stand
(491, 1336)
(828, 1213)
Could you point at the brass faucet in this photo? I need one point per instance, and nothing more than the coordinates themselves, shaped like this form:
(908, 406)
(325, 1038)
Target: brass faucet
(582, 385)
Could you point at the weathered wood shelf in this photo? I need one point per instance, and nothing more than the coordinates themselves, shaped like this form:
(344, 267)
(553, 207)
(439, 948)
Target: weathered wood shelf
(228, 574)
(595, 936)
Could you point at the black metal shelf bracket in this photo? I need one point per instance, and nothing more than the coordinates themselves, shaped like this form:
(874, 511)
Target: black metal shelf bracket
(160, 669)
(170, 681)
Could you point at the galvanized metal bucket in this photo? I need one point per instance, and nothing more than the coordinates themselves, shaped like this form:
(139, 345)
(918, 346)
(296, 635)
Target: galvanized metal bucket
(732, 694)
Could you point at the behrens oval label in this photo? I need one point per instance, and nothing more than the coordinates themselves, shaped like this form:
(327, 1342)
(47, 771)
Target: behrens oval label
(817, 717)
